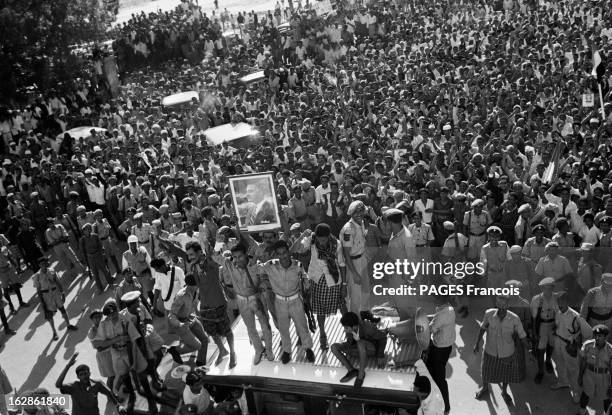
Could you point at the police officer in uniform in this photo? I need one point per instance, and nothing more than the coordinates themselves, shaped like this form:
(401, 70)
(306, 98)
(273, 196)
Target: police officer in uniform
(494, 255)
(288, 281)
(138, 259)
(59, 240)
(402, 246)
(597, 304)
(51, 294)
(595, 366)
(92, 248)
(242, 280)
(352, 238)
(454, 250)
(475, 223)
(103, 229)
(153, 342)
(569, 328)
(535, 246)
(125, 341)
(142, 231)
(9, 283)
(544, 307)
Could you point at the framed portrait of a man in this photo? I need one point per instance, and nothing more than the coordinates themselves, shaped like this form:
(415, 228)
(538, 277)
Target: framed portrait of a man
(255, 200)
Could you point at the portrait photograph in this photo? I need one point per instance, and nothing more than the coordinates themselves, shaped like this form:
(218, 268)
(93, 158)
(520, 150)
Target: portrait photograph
(255, 200)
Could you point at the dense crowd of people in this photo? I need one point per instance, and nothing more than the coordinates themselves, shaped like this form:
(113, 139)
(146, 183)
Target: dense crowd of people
(444, 130)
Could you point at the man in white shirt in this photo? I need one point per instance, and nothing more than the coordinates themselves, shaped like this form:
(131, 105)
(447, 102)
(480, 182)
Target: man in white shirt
(95, 189)
(168, 281)
(427, 391)
(442, 327)
(322, 190)
(425, 206)
(196, 394)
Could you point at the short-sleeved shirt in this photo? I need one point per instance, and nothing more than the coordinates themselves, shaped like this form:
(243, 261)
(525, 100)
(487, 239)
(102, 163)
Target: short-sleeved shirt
(556, 268)
(549, 307)
(599, 358)
(102, 228)
(499, 341)
(162, 283)
(534, 250)
(401, 245)
(45, 280)
(352, 236)
(84, 396)
(111, 329)
(238, 277)
(597, 299)
(143, 233)
(476, 224)
(422, 234)
(284, 281)
(184, 304)
(138, 261)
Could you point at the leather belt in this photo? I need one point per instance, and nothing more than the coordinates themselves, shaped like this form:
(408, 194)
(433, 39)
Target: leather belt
(550, 320)
(477, 234)
(144, 242)
(592, 368)
(421, 245)
(246, 297)
(356, 256)
(289, 298)
(46, 291)
(119, 346)
(105, 238)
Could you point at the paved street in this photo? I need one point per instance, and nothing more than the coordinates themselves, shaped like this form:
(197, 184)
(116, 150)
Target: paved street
(32, 360)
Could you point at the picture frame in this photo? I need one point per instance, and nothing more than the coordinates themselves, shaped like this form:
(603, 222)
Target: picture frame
(255, 202)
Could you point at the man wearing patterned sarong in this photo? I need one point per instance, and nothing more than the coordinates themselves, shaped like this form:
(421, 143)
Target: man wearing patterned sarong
(499, 351)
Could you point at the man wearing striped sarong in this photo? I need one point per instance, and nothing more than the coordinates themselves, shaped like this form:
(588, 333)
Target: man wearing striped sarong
(501, 327)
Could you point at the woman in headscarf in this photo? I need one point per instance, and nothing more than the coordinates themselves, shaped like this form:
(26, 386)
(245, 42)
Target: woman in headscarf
(327, 272)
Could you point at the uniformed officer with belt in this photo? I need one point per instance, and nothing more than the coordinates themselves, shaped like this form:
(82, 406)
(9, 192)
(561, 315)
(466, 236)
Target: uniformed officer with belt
(59, 240)
(544, 307)
(142, 231)
(153, 342)
(595, 362)
(243, 281)
(597, 304)
(352, 238)
(476, 222)
(494, 255)
(138, 259)
(103, 229)
(51, 294)
(94, 253)
(288, 281)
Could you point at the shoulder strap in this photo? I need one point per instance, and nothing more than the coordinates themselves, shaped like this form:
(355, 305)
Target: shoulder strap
(574, 329)
(171, 288)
